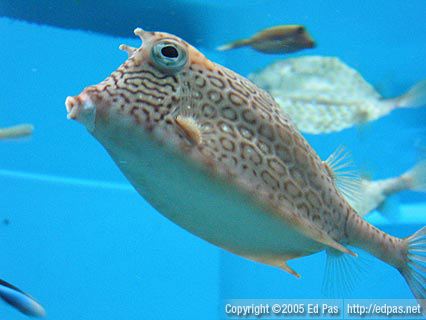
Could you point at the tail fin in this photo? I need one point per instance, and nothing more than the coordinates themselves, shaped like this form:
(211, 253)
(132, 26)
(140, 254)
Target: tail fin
(20, 300)
(234, 45)
(415, 97)
(414, 270)
(416, 177)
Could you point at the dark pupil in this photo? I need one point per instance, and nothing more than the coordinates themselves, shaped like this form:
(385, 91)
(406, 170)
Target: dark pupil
(169, 52)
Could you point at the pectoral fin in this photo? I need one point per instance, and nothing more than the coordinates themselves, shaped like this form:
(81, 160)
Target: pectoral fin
(190, 128)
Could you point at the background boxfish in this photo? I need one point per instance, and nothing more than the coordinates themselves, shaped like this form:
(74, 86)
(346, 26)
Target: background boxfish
(322, 94)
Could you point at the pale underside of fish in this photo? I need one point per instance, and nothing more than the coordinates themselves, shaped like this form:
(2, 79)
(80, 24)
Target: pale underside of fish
(322, 94)
(216, 155)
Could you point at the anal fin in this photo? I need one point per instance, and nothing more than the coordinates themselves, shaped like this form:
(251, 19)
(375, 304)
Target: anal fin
(342, 272)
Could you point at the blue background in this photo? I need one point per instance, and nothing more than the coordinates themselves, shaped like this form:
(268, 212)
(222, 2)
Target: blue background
(91, 250)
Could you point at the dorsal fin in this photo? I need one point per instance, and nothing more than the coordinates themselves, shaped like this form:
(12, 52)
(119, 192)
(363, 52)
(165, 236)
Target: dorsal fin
(341, 169)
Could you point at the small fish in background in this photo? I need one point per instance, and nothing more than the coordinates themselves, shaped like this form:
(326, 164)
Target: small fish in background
(366, 195)
(323, 95)
(376, 193)
(18, 131)
(276, 40)
(20, 300)
(12, 295)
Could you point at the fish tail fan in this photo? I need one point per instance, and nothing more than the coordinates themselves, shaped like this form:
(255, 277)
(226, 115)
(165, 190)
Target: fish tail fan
(233, 45)
(20, 300)
(414, 268)
(416, 177)
(415, 97)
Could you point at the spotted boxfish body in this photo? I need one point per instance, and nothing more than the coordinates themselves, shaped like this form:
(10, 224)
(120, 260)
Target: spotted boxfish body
(214, 154)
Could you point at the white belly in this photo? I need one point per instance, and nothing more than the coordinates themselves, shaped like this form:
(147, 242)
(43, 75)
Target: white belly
(202, 204)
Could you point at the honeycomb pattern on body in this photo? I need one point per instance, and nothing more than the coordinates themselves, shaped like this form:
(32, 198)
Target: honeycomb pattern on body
(245, 137)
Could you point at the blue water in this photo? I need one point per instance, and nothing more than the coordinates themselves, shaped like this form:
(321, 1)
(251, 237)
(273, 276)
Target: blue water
(89, 247)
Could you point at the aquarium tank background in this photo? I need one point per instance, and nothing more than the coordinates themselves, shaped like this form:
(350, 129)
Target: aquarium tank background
(74, 233)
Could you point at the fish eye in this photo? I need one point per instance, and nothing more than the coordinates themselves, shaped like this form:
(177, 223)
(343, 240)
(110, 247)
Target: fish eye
(169, 56)
(169, 52)
(300, 29)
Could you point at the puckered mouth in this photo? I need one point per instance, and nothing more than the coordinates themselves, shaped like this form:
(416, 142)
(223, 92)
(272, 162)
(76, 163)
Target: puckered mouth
(82, 109)
(71, 103)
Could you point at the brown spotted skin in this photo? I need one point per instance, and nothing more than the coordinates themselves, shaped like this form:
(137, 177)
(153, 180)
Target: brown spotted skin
(245, 139)
(244, 133)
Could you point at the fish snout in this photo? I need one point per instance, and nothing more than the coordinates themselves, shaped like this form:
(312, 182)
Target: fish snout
(82, 109)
